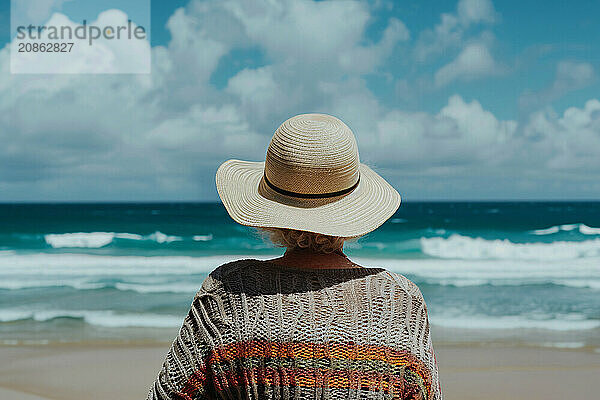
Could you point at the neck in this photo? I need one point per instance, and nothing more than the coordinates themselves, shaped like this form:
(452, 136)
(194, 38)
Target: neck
(304, 258)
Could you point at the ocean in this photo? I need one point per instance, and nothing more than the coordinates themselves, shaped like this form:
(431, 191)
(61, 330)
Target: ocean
(491, 272)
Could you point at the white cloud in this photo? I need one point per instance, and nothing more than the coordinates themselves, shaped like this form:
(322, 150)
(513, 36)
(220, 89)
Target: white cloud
(474, 61)
(477, 125)
(195, 53)
(569, 142)
(259, 94)
(301, 30)
(570, 76)
(367, 58)
(34, 11)
(311, 46)
(476, 11)
(326, 35)
(459, 135)
(464, 151)
(210, 131)
(450, 31)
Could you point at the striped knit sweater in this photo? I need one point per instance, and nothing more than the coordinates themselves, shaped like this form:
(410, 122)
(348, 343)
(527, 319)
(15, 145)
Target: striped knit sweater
(256, 330)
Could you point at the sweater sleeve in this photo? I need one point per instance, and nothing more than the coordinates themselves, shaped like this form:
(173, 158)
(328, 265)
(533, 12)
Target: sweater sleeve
(421, 380)
(185, 373)
(423, 337)
(436, 388)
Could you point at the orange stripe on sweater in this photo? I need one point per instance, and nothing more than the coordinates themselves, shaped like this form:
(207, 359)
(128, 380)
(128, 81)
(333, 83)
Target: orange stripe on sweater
(352, 379)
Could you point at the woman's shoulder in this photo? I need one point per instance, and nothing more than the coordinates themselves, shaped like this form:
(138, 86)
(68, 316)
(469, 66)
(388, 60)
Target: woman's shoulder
(227, 269)
(252, 272)
(217, 277)
(404, 283)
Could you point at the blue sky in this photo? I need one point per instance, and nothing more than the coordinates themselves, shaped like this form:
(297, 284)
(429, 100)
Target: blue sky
(469, 99)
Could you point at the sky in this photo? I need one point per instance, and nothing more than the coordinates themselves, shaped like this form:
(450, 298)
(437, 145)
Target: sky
(449, 100)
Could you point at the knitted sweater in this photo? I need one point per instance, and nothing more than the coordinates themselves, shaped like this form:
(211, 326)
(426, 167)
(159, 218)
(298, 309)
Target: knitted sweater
(256, 330)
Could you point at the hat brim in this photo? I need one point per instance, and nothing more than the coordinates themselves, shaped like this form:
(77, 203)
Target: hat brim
(249, 201)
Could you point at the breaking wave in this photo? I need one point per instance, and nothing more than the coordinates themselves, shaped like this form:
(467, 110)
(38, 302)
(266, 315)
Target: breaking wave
(101, 239)
(582, 228)
(469, 248)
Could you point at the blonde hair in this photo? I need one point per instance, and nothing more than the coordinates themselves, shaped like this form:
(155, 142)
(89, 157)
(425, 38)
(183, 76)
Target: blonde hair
(294, 239)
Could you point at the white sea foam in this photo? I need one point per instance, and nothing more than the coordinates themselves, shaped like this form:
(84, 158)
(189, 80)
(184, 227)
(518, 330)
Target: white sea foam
(160, 237)
(25, 283)
(175, 287)
(80, 239)
(459, 282)
(112, 319)
(203, 238)
(578, 283)
(583, 229)
(101, 239)
(14, 315)
(88, 265)
(588, 230)
(83, 269)
(564, 345)
(569, 227)
(567, 322)
(130, 236)
(469, 248)
(584, 272)
(547, 231)
(438, 231)
(184, 286)
(103, 318)
(463, 282)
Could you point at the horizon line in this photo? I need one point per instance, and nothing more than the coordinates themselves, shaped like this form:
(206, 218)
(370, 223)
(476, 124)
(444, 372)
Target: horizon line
(81, 202)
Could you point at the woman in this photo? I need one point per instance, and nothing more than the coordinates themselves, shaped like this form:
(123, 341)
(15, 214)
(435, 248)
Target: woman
(311, 324)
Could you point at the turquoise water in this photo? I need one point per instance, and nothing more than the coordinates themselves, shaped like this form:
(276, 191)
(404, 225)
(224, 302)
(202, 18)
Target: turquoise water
(526, 271)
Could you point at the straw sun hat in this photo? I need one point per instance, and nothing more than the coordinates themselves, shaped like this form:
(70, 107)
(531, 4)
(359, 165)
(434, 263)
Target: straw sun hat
(312, 180)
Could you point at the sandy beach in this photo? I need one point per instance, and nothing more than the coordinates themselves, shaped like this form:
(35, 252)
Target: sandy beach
(125, 372)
